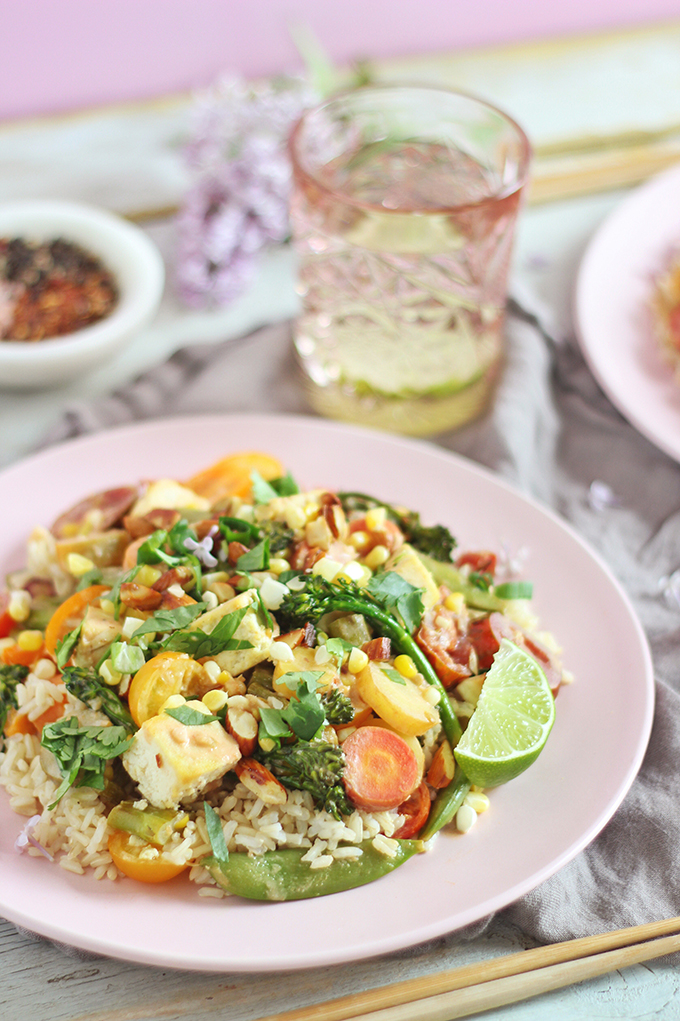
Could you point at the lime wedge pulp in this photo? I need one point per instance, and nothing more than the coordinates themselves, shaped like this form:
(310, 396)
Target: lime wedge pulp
(512, 720)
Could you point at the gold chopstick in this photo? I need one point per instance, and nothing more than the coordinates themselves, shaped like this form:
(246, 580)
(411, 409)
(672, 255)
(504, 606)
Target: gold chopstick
(461, 992)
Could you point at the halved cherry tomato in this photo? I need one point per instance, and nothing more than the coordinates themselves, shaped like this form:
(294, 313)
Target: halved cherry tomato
(69, 615)
(15, 654)
(18, 723)
(168, 673)
(126, 857)
(231, 475)
(415, 811)
(7, 623)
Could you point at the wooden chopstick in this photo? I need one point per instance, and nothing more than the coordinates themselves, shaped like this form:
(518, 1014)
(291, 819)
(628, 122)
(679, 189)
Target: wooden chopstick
(460, 992)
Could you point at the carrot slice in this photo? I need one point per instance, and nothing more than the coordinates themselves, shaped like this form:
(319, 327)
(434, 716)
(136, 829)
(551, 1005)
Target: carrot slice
(231, 475)
(381, 771)
(18, 723)
(15, 654)
(69, 614)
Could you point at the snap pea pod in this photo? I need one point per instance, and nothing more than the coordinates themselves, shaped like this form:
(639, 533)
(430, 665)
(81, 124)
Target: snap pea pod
(446, 804)
(281, 875)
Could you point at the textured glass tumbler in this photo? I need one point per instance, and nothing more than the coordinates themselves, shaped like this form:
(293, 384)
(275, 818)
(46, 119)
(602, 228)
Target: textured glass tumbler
(403, 212)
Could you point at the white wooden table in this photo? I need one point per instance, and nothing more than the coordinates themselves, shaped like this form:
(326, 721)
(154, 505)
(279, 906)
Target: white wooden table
(43, 982)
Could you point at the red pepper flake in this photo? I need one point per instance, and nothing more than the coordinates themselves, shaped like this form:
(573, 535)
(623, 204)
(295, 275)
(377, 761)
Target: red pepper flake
(51, 288)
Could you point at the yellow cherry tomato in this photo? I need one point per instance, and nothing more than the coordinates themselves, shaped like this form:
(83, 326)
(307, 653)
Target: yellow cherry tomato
(168, 673)
(127, 858)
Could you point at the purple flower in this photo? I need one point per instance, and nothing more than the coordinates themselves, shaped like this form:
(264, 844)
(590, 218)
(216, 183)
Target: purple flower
(238, 202)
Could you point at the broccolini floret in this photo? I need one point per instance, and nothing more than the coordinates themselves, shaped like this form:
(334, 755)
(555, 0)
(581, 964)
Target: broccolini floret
(337, 707)
(314, 766)
(86, 685)
(435, 540)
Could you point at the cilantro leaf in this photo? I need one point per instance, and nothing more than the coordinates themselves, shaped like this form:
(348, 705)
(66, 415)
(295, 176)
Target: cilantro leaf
(256, 559)
(393, 675)
(264, 491)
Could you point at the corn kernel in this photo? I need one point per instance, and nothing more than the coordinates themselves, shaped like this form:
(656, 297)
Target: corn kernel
(109, 675)
(432, 695)
(357, 661)
(44, 669)
(213, 669)
(130, 625)
(108, 607)
(377, 557)
(78, 565)
(477, 801)
(279, 652)
(327, 568)
(406, 666)
(210, 599)
(215, 700)
(147, 575)
(277, 565)
(466, 817)
(359, 540)
(200, 707)
(455, 601)
(375, 519)
(322, 655)
(267, 744)
(173, 702)
(19, 606)
(30, 641)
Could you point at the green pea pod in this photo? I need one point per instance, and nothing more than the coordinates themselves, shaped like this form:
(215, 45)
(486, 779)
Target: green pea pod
(281, 875)
(446, 804)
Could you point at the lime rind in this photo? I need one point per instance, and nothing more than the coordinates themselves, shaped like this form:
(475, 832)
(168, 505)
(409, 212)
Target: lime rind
(512, 721)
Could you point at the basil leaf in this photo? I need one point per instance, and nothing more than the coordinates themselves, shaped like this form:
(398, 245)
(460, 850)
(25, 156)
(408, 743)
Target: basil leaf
(215, 833)
(272, 724)
(91, 577)
(304, 714)
(395, 593)
(189, 716)
(393, 675)
(256, 559)
(82, 752)
(198, 643)
(170, 620)
(66, 645)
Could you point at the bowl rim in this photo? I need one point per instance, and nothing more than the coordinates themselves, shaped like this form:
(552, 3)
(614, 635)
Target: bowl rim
(139, 297)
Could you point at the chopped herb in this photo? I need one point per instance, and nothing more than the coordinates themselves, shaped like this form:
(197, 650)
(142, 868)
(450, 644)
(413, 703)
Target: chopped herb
(92, 577)
(189, 716)
(126, 658)
(82, 752)
(199, 643)
(165, 621)
(264, 491)
(395, 593)
(256, 559)
(514, 590)
(10, 677)
(65, 646)
(393, 675)
(481, 580)
(215, 834)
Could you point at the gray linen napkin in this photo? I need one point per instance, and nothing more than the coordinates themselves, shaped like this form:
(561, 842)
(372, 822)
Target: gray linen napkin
(554, 435)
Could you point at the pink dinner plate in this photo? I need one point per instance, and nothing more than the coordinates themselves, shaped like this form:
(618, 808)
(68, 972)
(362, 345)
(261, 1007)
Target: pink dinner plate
(612, 309)
(535, 825)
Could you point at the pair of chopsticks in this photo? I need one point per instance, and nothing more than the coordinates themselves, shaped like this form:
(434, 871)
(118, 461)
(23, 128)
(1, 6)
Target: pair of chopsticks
(461, 992)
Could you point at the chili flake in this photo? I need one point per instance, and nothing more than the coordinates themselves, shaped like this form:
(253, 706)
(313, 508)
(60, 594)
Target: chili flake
(51, 288)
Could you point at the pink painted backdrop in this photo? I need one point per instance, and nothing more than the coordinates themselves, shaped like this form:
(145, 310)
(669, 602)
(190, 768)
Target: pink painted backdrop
(60, 55)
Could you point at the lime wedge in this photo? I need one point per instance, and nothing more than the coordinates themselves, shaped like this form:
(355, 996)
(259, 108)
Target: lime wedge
(509, 727)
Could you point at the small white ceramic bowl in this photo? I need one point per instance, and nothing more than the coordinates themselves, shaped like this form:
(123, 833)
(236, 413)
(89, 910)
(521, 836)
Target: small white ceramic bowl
(125, 250)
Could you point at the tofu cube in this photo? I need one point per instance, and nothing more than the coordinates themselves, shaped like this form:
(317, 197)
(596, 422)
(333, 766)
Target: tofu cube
(174, 763)
(251, 629)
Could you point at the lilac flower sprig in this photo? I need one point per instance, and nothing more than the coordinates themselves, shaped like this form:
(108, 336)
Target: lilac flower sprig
(238, 202)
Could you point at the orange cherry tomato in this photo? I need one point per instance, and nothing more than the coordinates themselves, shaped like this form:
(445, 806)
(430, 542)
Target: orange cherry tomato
(26, 657)
(126, 857)
(18, 723)
(69, 615)
(231, 475)
(168, 673)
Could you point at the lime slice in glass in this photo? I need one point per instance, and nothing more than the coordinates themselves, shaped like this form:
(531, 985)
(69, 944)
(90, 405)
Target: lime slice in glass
(509, 727)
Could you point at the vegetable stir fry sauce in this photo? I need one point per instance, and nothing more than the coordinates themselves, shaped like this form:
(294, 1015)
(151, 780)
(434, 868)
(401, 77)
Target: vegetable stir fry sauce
(262, 687)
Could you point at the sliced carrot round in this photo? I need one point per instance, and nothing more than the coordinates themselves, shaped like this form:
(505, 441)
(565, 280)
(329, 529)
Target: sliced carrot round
(232, 475)
(69, 615)
(381, 771)
(127, 858)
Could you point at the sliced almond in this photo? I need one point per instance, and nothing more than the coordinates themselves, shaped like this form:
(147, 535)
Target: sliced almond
(261, 781)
